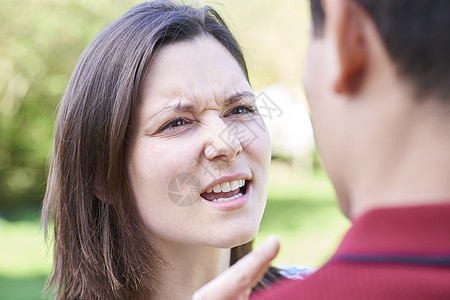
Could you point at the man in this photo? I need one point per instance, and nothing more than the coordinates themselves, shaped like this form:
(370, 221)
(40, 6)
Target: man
(378, 83)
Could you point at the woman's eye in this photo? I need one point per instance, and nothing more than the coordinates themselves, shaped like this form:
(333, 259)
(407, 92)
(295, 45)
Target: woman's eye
(174, 124)
(242, 110)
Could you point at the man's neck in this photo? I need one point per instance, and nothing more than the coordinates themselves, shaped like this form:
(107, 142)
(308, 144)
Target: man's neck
(409, 161)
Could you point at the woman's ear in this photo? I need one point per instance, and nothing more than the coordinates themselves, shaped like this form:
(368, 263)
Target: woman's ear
(99, 190)
(345, 21)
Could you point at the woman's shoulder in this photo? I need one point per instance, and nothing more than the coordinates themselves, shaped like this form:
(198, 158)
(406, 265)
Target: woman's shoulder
(273, 274)
(295, 271)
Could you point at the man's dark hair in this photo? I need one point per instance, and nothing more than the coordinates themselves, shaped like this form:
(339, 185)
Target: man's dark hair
(416, 34)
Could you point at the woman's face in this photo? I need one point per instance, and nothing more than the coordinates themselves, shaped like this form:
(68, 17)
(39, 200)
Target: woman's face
(199, 156)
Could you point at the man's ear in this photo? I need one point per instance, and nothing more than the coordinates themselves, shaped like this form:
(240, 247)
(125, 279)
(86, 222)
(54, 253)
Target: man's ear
(345, 22)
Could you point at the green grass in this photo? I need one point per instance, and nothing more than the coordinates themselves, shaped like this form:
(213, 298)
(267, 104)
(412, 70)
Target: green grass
(24, 262)
(301, 210)
(21, 288)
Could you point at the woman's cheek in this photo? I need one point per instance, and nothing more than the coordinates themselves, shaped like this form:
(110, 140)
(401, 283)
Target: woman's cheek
(258, 141)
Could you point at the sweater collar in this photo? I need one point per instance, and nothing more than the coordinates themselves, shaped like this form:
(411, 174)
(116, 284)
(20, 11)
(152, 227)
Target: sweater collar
(415, 230)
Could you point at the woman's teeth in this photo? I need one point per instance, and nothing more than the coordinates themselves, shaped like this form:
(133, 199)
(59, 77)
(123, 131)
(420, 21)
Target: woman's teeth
(228, 199)
(227, 186)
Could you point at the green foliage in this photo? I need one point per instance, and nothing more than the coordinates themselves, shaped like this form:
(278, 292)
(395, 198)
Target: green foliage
(41, 43)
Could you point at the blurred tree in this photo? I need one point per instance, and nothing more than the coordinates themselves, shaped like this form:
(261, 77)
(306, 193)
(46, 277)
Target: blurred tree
(41, 41)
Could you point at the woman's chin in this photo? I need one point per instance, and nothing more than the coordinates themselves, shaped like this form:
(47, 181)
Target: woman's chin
(237, 239)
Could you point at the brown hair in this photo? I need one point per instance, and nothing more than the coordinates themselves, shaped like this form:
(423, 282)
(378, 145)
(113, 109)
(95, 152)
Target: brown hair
(100, 249)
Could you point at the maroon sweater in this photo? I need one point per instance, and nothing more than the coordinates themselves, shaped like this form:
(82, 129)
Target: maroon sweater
(395, 253)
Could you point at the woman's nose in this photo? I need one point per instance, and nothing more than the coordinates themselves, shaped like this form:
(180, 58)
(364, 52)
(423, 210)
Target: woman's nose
(222, 142)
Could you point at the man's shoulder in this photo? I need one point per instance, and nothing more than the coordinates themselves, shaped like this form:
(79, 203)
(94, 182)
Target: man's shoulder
(353, 280)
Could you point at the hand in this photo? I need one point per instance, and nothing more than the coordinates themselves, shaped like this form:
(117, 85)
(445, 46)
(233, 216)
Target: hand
(236, 282)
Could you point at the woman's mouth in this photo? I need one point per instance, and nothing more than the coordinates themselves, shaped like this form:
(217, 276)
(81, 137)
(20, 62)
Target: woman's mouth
(226, 191)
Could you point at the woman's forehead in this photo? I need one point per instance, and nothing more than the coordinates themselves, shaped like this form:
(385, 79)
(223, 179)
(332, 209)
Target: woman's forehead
(199, 61)
(190, 72)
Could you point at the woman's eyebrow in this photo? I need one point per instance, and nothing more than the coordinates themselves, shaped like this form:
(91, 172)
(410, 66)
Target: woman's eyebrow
(189, 107)
(179, 108)
(238, 97)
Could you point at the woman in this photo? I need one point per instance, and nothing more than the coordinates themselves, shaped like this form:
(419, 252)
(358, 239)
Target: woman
(158, 177)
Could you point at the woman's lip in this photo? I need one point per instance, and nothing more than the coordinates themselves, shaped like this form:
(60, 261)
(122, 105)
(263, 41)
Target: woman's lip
(224, 179)
(232, 204)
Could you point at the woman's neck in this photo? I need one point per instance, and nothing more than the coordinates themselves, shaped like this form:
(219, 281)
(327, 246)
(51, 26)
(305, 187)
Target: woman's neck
(189, 267)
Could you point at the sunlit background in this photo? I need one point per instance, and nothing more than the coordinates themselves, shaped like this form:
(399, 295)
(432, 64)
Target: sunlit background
(41, 41)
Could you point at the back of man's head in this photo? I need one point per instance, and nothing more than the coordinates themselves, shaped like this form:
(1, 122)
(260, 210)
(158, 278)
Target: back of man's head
(416, 36)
